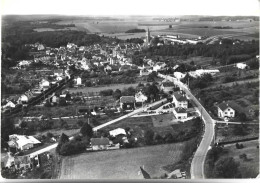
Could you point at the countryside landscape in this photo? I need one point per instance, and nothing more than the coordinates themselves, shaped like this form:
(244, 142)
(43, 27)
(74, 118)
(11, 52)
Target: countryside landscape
(129, 96)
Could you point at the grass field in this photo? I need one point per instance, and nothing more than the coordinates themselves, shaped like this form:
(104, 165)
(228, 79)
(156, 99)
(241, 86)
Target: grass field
(100, 88)
(250, 167)
(225, 133)
(121, 164)
(185, 29)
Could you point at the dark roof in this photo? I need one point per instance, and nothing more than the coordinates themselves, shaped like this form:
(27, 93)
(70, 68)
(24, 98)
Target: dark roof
(224, 105)
(127, 99)
(180, 110)
(168, 84)
(179, 97)
(99, 141)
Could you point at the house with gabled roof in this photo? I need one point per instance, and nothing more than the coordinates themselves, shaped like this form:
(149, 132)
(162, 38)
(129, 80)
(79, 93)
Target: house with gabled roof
(180, 113)
(140, 97)
(226, 109)
(167, 86)
(127, 102)
(180, 100)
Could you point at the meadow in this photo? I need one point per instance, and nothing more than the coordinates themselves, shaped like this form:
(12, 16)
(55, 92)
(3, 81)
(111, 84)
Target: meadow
(121, 164)
(187, 29)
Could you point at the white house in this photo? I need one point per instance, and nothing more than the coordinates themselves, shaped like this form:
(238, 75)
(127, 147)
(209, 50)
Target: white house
(78, 81)
(159, 66)
(140, 97)
(225, 110)
(58, 72)
(117, 131)
(9, 104)
(180, 113)
(200, 72)
(22, 142)
(179, 75)
(40, 47)
(179, 100)
(44, 84)
(241, 65)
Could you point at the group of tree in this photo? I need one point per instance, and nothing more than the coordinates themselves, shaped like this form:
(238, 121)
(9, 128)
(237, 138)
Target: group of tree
(225, 52)
(135, 30)
(78, 144)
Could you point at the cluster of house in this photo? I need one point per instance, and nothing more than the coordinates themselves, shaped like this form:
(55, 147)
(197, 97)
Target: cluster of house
(104, 143)
(44, 84)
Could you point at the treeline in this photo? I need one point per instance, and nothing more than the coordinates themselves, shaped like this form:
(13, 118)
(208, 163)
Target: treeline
(225, 52)
(54, 39)
(150, 90)
(135, 30)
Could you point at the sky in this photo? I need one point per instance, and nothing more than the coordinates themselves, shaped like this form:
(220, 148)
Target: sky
(132, 7)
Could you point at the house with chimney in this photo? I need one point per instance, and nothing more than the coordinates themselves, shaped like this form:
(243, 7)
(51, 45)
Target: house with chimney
(226, 109)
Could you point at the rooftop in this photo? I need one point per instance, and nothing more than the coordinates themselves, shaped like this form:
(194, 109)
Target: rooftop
(179, 97)
(127, 99)
(99, 141)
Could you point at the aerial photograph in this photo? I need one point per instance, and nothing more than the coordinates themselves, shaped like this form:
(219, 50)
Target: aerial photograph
(124, 90)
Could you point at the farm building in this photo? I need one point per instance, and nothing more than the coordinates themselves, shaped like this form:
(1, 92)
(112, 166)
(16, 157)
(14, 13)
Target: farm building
(117, 131)
(22, 142)
(99, 143)
(179, 100)
(180, 113)
(225, 109)
(241, 66)
(200, 72)
(127, 102)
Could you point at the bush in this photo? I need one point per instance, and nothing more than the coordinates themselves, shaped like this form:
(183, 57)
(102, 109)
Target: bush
(227, 168)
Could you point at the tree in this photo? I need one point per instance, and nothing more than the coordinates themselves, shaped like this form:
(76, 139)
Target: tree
(145, 174)
(86, 130)
(63, 139)
(227, 168)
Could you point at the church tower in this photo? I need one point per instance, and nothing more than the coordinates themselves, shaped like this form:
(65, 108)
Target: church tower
(148, 38)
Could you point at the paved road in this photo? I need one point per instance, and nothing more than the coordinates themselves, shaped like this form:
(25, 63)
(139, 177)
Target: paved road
(100, 126)
(128, 115)
(197, 165)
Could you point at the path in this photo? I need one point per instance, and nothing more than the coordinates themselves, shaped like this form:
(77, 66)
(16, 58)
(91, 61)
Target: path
(100, 126)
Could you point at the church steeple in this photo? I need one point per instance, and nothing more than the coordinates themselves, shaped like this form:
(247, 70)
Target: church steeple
(148, 38)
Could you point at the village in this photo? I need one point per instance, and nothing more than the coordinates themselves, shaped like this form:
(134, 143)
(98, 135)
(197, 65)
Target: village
(152, 91)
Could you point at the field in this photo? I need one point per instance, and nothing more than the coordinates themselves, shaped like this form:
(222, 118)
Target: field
(100, 88)
(121, 164)
(250, 167)
(186, 29)
(226, 133)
